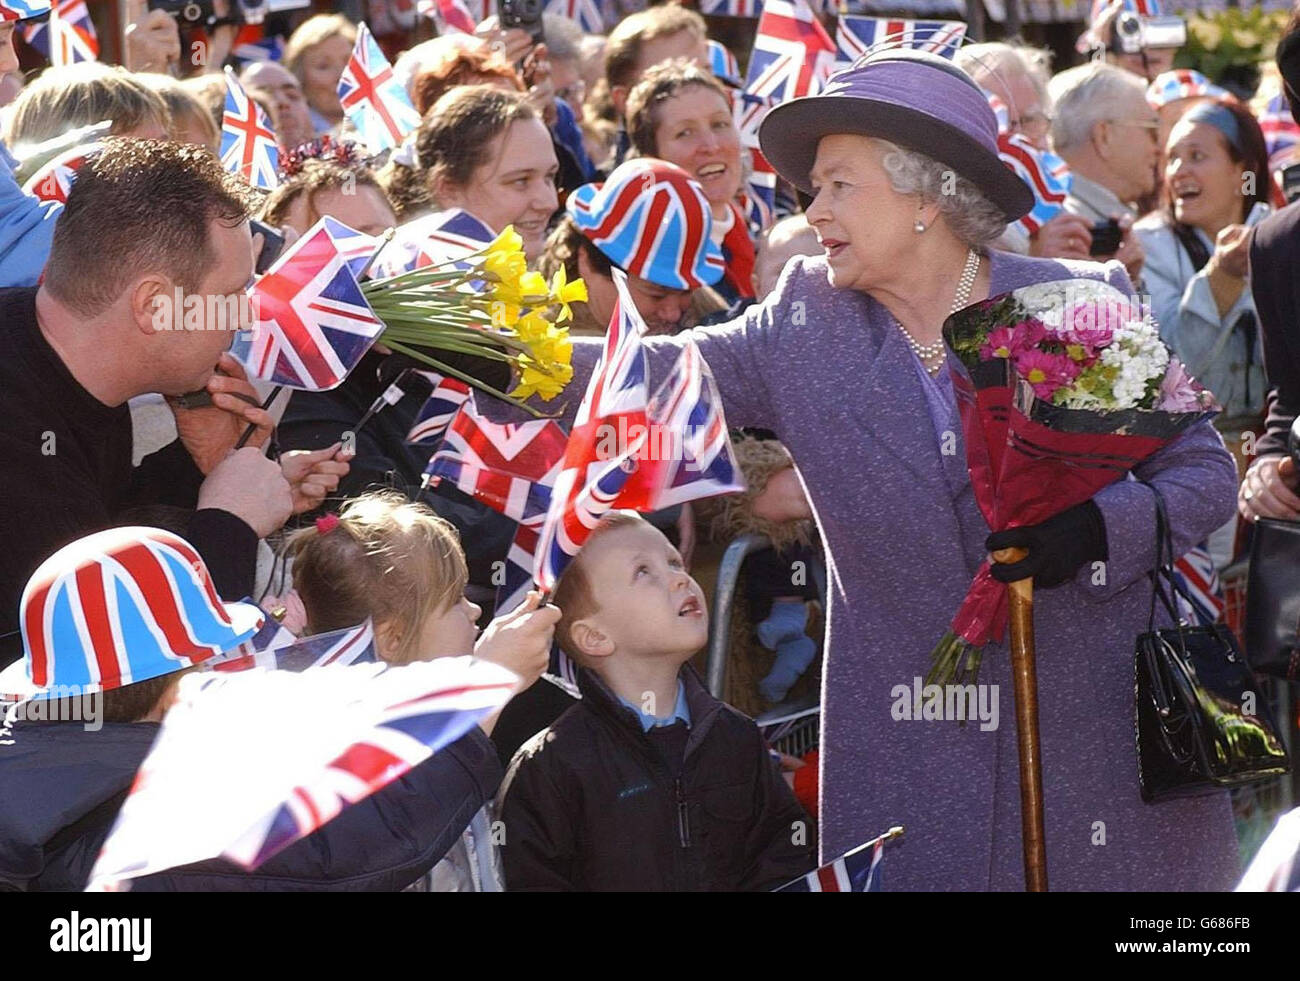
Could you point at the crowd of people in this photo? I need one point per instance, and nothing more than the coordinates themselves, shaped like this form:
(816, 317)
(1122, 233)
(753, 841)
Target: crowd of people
(813, 260)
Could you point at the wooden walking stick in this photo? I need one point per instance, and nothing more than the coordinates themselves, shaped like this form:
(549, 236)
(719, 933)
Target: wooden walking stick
(1025, 680)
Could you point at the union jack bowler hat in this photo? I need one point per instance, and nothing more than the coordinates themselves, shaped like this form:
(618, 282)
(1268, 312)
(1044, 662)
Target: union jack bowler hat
(117, 607)
(914, 99)
(651, 220)
(12, 10)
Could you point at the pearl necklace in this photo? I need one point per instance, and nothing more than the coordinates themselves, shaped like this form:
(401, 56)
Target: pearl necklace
(934, 354)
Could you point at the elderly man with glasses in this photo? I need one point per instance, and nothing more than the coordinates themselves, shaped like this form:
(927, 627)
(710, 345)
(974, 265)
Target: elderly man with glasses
(1106, 131)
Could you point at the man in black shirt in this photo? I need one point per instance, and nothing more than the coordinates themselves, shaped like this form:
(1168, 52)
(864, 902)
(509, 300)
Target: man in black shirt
(143, 220)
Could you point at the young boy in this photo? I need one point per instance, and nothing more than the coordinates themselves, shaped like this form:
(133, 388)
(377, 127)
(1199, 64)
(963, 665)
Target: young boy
(648, 783)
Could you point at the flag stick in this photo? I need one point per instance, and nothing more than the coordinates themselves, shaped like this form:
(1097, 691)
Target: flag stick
(1024, 674)
(252, 426)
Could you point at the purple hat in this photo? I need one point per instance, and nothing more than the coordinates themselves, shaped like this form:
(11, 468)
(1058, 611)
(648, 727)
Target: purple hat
(912, 98)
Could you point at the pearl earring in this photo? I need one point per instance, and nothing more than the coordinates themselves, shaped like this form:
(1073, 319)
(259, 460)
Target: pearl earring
(919, 226)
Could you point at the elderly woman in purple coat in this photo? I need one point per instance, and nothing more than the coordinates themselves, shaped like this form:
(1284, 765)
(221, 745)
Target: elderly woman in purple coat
(845, 362)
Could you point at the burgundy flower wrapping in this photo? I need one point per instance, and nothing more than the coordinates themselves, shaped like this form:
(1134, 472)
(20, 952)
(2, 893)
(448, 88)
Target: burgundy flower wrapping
(1029, 459)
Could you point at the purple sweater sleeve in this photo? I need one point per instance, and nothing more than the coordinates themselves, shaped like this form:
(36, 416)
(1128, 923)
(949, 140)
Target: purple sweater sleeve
(1196, 476)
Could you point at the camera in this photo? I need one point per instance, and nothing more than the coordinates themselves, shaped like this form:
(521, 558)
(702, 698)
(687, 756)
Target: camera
(190, 13)
(1105, 238)
(1133, 33)
(525, 14)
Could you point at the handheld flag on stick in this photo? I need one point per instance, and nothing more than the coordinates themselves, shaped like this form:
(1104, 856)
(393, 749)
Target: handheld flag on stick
(248, 145)
(307, 745)
(854, 871)
(67, 37)
(372, 97)
(856, 37)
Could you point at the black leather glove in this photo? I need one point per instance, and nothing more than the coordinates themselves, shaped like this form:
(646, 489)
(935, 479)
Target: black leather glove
(1057, 548)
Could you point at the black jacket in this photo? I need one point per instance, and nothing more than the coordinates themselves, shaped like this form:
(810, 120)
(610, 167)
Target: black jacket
(1275, 286)
(314, 420)
(67, 472)
(595, 803)
(63, 786)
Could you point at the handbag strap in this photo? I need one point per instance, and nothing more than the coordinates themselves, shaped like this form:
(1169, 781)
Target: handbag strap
(1162, 575)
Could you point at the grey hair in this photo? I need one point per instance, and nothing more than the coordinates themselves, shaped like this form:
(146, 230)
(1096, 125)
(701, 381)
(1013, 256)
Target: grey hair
(1086, 96)
(563, 37)
(993, 64)
(970, 215)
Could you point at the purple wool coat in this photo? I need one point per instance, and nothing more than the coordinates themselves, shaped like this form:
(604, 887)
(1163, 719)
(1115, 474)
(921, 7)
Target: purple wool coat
(828, 371)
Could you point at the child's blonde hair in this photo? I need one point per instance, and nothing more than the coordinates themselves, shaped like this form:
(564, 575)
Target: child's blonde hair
(386, 558)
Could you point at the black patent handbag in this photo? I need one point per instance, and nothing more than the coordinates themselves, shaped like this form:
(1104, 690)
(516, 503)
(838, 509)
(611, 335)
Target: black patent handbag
(1273, 590)
(1202, 722)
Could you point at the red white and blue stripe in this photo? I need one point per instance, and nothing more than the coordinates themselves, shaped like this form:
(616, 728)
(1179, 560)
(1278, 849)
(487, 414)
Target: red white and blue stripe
(306, 745)
(757, 198)
(276, 648)
(854, 871)
(651, 220)
(357, 248)
(1047, 175)
(592, 479)
(123, 606)
(1200, 595)
(1281, 131)
(793, 56)
(731, 8)
(248, 145)
(252, 44)
(444, 401)
(506, 466)
(723, 63)
(53, 181)
(73, 31)
(1181, 83)
(313, 323)
(433, 240)
(372, 97)
(12, 10)
(856, 37)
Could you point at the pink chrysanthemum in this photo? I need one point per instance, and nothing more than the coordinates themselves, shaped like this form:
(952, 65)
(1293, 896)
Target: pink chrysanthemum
(1013, 341)
(1047, 373)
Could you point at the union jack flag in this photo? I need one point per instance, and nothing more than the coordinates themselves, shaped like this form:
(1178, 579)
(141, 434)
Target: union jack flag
(1281, 131)
(686, 414)
(276, 648)
(854, 871)
(73, 31)
(858, 36)
(433, 240)
(448, 395)
(758, 198)
(1200, 600)
(251, 45)
(357, 248)
(451, 16)
(723, 63)
(313, 323)
(247, 142)
(506, 466)
(589, 14)
(308, 744)
(12, 10)
(53, 181)
(593, 478)
(1047, 175)
(731, 8)
(793, 56)
(373, 98)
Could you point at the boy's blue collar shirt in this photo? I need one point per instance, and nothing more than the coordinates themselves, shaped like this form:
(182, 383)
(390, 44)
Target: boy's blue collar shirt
(648, 721)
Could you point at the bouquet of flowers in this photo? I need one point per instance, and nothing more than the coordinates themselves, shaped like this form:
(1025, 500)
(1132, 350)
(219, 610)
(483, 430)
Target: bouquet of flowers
(1064, 387)
(488, 304)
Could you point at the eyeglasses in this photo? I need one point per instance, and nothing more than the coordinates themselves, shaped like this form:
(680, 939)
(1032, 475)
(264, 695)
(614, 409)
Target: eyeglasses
(1153, 129)
(1040, 121)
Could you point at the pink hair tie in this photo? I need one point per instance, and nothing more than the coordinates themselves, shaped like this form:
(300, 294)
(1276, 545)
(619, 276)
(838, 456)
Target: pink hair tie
(327, 523)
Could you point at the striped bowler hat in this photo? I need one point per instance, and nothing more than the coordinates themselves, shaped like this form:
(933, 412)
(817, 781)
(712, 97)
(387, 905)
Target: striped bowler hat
(651, 220)
(122, 606)
(12, 10)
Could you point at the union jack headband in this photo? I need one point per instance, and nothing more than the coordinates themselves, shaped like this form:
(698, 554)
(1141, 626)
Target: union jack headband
(14, 10)
(119, 607)
(1181, 83)
(651, 220)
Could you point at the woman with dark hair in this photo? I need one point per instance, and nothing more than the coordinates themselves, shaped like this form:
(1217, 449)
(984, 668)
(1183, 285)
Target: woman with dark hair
(680, 112)
(1197, 245)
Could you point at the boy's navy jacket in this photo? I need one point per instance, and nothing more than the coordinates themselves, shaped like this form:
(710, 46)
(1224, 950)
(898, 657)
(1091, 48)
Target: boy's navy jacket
(63, 787)
(596, 803)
